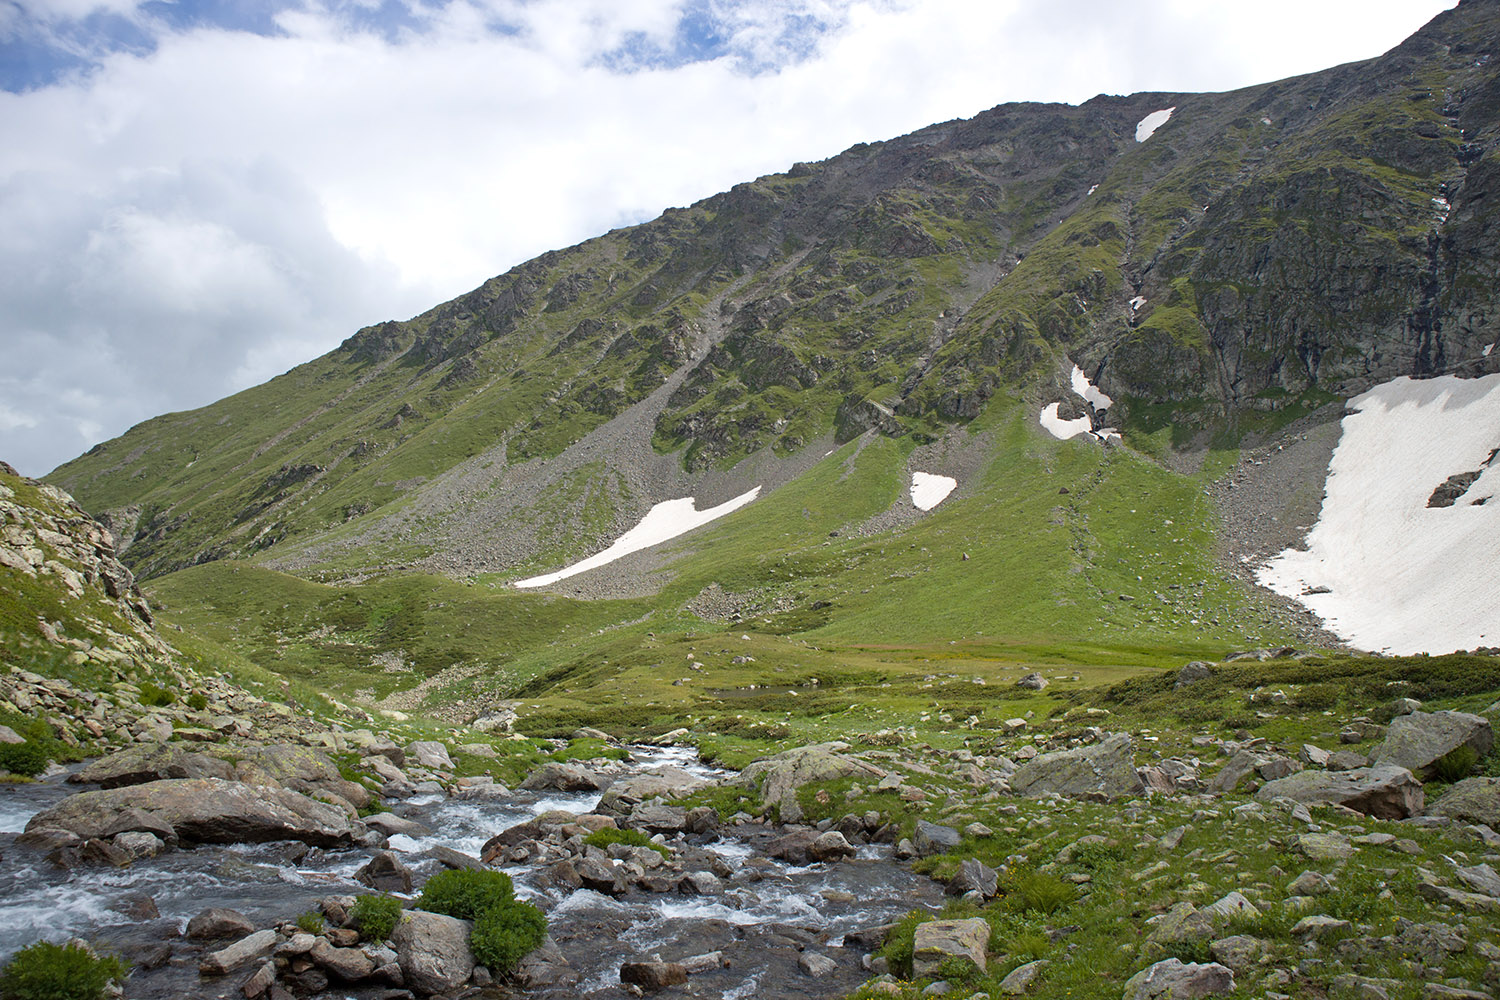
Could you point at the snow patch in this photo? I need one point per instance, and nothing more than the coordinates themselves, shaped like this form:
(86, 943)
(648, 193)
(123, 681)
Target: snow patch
(1137, 302)
(1384, 570)
(1083, 387)
(1092, 190)
(663, 522)
(1148, 125)
(1489, 348)
(1265, 121)
(928, 490)
(1065, 429)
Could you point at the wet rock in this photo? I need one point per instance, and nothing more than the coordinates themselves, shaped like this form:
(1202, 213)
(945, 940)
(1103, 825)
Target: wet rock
(653, 975)
(1472, 800)
(793, 846)
(1384, 792)
(48, 839)
(386, 873)
(245, 950)
(137, 906)
(620, 798)
(138, 764)
(545, 967)
(139, 845)
(392, 825)
(1419, 740)
(449, 858)
(1174, 980)
(217, 922)
(564, 777)
(830, 846)
(600, 876)
(700, 884)
(1021, 978)
(659, 819)
(777, 779)
(259, 981)
(208, 810)
(816, 965)
(1103, 771)
(433, 950)
(939, 940)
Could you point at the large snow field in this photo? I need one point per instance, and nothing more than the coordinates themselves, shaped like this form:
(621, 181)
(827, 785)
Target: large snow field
(663, 522)
(929, 490)
(1402, 577)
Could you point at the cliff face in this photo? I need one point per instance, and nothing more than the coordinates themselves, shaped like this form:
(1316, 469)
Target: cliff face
(1263, 253)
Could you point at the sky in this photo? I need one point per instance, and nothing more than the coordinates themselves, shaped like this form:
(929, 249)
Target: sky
(196, 196)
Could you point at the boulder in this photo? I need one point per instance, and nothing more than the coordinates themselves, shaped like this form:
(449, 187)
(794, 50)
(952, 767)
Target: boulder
(939, 940)
(564, 777)
(830, 846)
(659, 819)
(391, 825)
(208, 810)
(974, 876)
(385, 873)
(816, 965)
(1101, 772)
(545, 967)
(433, 951)
(143, 762)
(661, 783)
(1032, 682)
(793, 846)
(1473, 800)
(300, 769)
(653, 975)
(777, 779)
(1419, 740)
(1174, 980)
(931, 838)
(1194, 671)
(1384, 792)
(1021, 978)
(349, 965)
(217, 922)
(247, 949)
(449, 858)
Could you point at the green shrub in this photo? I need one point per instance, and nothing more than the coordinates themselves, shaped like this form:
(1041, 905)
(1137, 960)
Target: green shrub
(28, 758)
(505, 934)
(466, 894)
(47, 971)
(375, 916)
(1041, 892)
(630, 838)
(1357, 898)
(312, 921)
(1456, 764)
(155, 696)
(197, 701)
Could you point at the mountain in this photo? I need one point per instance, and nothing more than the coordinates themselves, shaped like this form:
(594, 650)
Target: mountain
(1213, 289)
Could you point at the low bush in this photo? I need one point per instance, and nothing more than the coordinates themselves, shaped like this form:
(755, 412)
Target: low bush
(28, 758)
(47, 971)
(155, 696)
(1455, 765)
(1039, 892)
(197, 701)
(506, 934)
(312, 921)
(375, 916)
(466, 894)
(630, 838)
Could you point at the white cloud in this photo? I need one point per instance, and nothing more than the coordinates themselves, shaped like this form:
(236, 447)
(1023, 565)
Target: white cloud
(198, 218)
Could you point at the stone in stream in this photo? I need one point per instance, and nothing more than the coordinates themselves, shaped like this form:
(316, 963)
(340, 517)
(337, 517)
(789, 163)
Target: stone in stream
(653, 975)
(348, 965)
(564, 777)
(937, 941)
(433, 951)
(545, 967)
(815, 965)
(1384, 792)
(449, 858)
(1419, 740)
(217, 922)
(247, 949)
(392, 825)
(208, 810)
(622, 797)
(792, 846)
(1173, 980)
(300, 769)
(830, 846)
(386, 873)
(778, 778)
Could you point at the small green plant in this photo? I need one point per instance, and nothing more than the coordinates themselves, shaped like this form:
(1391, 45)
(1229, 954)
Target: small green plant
(47, 971)
(197, 701)
(504, 935)
(1455, 765)
(155, 696)
(375, 917)
(1040, 892)
(630, 838)
(311, 921)
(466, 894)
(28, 758)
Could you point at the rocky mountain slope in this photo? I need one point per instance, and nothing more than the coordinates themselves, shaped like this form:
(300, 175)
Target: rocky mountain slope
(1263, 254)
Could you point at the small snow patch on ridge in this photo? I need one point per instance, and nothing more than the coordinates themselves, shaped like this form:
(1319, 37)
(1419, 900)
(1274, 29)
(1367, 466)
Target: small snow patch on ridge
(928, 490)
(1149, 124)
(663, 522)
(1086, 389)
(1064, 429)
(1383, 569)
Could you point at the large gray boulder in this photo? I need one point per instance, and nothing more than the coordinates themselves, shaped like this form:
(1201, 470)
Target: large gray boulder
(1419, 740)
(301, 769)
(667, 783)
(1101, 772)
(1473, 800)
(206, 810)
(564, 778)
(778, 778)
(143, 762)
(939, 940)
(1174, 980)
(433, 951)
(1384, 792)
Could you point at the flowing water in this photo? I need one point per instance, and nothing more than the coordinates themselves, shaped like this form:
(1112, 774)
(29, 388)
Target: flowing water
(769, 913)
